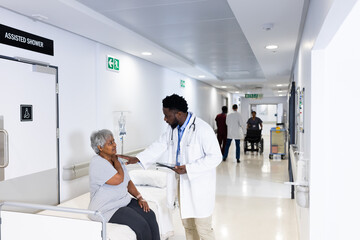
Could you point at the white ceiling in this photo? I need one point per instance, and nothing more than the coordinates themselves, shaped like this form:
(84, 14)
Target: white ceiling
(222, 40)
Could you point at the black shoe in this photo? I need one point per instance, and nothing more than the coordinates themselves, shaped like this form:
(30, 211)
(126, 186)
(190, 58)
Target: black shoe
(238, 160)
(224, 159)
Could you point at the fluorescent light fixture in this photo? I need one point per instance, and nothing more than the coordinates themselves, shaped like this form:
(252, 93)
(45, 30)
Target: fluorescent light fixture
(40, 17)
(279, 85)
(201, 76)
(237, 92)
(146, 53)
(223, 86)
(280, 91)
(272, 47)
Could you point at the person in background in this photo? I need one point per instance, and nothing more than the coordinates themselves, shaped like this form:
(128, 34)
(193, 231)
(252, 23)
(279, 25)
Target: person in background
(233, 122)
(111, 190)
(253, 124)
(222, 128)
(192, 148)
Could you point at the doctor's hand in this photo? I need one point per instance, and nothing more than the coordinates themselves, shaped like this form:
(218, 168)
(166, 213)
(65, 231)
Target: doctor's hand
(130, 160)
(180, 169)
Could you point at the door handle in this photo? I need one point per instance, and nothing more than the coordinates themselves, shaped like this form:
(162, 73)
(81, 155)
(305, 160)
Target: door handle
(6, 148)
(303, 184)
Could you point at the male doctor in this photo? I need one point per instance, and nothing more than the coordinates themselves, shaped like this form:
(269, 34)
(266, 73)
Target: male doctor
(191, 146)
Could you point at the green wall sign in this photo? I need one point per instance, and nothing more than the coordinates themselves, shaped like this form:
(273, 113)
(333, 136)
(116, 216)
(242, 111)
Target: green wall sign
(182, 83)
(256, 95)
(113, 63)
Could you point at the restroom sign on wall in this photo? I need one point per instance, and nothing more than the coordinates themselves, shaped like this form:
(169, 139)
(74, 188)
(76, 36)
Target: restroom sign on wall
(112, 63)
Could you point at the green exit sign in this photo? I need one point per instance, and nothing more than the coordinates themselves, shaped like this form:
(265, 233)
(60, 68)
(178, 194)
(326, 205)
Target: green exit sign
(253, 95)
(182, 83)
(113, 63)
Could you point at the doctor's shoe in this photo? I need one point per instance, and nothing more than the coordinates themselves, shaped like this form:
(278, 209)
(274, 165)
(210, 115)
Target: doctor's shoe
(224, 159)
(238, 160)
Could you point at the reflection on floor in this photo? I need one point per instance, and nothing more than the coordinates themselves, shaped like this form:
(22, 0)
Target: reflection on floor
(252, 203)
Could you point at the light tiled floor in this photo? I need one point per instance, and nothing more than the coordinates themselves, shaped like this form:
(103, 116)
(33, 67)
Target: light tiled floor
(252, 203)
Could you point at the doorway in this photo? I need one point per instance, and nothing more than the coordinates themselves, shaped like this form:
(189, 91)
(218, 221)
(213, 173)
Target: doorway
(29, 143)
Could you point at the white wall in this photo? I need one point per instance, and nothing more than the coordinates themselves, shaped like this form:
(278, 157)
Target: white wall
(334, 170)
(89, 94)
(302, 76)
(314, 222)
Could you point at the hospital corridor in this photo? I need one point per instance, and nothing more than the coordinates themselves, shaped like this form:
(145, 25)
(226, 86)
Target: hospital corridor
(179, 119)
(251, 200)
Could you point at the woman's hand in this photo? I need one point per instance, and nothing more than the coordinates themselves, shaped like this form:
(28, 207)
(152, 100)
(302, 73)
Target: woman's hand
(143, 204)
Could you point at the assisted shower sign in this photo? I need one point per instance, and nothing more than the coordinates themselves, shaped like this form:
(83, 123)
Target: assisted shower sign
(20, 39)
(112, 63)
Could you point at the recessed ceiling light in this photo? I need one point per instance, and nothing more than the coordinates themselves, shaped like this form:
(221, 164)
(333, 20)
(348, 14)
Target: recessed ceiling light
(237, 92)
(281, 91)
(279, 85)
(146, 53)
(201, 76)
(272, 47)
(223, 87)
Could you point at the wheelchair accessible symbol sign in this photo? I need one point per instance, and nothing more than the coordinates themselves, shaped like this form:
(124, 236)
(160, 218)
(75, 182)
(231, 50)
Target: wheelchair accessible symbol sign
(26, 113)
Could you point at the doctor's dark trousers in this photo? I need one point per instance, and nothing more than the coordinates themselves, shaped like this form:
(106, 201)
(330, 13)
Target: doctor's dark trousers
(226, 151)
(142, 223)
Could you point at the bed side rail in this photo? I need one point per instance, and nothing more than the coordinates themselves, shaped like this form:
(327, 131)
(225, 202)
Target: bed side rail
(55, 208)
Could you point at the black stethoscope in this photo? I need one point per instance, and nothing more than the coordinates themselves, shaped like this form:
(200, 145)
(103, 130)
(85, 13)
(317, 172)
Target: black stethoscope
(190, 133)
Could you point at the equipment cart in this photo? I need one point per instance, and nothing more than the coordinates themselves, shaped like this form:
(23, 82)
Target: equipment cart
(277, 142)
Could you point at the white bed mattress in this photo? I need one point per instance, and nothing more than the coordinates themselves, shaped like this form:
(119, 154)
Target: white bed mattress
(156, 198)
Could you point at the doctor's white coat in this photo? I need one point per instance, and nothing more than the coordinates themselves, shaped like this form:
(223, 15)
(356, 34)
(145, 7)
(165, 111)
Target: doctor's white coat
(200, 152)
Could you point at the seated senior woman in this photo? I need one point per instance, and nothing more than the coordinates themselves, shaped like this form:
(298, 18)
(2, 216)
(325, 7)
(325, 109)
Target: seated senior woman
(111, 187)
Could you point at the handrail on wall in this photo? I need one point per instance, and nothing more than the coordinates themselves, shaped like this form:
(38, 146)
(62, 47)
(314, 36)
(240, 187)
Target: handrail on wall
(74, 171)
(300, 180)
(56, 208)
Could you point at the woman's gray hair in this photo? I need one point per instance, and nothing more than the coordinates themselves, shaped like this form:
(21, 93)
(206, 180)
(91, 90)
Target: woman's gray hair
(98, 138)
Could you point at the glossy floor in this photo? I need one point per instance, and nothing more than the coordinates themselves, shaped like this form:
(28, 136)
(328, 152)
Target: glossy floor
(252, 201)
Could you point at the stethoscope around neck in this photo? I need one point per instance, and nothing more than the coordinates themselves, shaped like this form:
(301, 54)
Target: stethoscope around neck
(192, 125)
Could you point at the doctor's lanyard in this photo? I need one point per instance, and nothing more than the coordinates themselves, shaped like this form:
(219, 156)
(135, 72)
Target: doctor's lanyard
(178, 151)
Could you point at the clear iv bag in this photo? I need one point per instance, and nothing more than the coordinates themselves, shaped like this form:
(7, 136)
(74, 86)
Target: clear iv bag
(122, 123)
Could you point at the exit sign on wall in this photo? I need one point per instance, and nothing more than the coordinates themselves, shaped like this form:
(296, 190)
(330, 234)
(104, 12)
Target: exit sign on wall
(112, 63)
(182, 83)
(253, 95)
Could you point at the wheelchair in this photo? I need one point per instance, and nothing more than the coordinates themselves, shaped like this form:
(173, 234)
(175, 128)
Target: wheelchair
(254, 137)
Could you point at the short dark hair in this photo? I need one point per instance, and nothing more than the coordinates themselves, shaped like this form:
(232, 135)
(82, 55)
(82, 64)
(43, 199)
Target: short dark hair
(253, 112)
(175, 102)
(235, 106)
(224, 109)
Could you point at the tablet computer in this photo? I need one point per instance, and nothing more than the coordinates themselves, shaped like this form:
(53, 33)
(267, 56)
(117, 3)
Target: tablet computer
(171, 166)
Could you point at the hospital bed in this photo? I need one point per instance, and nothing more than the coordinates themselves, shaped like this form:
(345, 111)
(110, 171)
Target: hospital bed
(150, 183)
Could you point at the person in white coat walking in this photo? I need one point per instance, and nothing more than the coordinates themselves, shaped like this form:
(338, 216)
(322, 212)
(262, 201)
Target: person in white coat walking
(233, 122)
(193, 149)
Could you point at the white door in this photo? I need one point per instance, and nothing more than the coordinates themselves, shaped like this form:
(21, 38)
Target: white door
(28, 133)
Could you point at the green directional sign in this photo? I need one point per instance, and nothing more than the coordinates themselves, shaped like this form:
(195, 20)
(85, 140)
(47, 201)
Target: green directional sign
(182, 83)
(113, 63)
(255, 95)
